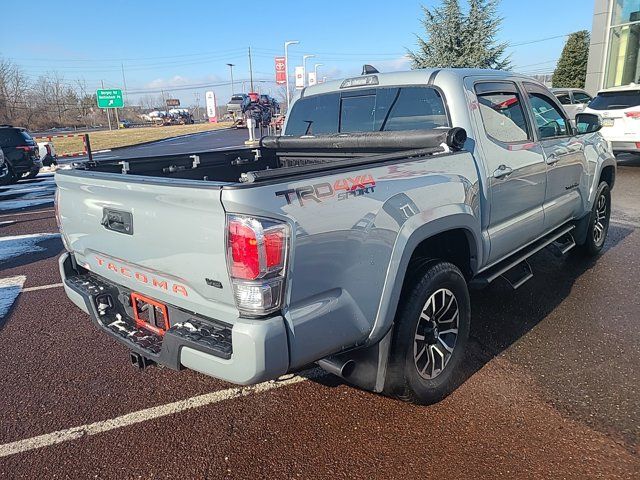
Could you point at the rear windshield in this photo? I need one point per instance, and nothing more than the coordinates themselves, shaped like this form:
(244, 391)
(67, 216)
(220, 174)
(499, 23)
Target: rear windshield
(12, 137)
(616, 100)
(369, 110)
(237, 97)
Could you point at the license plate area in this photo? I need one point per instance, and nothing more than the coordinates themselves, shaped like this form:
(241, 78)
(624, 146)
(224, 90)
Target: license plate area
(608, 122)
(150, 314)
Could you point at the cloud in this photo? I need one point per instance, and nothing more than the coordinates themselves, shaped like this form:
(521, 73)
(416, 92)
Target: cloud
(394, 65)
(181, 81)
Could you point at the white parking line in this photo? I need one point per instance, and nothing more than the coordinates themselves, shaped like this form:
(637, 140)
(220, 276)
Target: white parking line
(151, 413)
(42, 287)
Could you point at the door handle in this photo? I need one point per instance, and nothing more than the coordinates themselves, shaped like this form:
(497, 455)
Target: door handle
(502, 171)
(552, 159)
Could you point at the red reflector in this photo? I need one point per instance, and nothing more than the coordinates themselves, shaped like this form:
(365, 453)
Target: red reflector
(274, 246)
(633, 114)
(26, 149)
(245, 263)
(638, 145)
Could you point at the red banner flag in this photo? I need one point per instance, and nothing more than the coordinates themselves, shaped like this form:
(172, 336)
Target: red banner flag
(281, 69)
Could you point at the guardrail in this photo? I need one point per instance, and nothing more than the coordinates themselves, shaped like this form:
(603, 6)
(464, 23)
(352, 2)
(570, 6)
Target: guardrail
(85, 142)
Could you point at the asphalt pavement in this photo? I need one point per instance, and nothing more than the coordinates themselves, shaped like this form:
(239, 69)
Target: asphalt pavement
(185, 144)
(552, 385)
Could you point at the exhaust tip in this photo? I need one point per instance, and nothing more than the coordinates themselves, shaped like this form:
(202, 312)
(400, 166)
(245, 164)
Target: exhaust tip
(340, 368)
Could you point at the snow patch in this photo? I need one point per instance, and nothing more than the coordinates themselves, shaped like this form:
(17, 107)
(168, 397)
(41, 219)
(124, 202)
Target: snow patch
(14, 246)
(10, 288)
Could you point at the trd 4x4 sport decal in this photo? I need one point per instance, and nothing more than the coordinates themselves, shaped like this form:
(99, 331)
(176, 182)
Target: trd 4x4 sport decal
(343, 189)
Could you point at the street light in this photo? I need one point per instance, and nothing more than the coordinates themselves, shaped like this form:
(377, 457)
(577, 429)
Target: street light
(315, 70)
(286, 65)
(304, 66)
(231, 65)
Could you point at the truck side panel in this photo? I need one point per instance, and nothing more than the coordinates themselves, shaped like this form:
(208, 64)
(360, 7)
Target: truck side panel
(346, 227)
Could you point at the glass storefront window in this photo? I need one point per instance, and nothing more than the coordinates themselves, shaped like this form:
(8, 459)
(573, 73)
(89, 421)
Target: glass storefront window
(625, 11)
(623, 66)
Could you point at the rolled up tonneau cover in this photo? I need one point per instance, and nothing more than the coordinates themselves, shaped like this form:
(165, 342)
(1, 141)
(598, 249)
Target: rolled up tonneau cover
(400, 140)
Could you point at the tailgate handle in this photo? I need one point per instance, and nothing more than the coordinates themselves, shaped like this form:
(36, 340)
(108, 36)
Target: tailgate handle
(117, 221)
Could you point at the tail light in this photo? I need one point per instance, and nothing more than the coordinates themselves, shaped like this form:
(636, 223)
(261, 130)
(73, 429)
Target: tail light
(25, 148)
(48, 147)
(635, 115)
(256, 259)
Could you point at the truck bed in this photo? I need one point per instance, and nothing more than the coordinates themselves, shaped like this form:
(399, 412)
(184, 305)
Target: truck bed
(281, 157)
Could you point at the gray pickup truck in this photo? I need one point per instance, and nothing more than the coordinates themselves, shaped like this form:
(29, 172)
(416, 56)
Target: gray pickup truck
(350, 241)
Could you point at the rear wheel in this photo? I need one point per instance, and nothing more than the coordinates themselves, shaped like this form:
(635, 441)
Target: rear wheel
(598, 221)
(7, 177)
(430, 336)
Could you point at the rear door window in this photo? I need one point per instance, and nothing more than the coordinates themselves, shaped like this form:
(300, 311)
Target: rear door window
(502, 112)
(616, 100)
(581, 97)
(563, 97)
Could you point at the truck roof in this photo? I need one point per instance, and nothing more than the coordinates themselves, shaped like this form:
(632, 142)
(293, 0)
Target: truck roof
(411, 77)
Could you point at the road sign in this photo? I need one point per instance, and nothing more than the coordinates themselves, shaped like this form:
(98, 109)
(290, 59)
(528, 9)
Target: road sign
(312, 78)
(173, 102)
(212, 113)
(281, 74)
(110, 98)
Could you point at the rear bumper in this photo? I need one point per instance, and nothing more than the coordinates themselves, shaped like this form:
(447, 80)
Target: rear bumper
(625, 146)
(248, 352)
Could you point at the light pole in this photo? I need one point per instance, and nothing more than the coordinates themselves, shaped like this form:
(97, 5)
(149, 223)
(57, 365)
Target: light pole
(231, 65)
(304, 66)
(315, 70)
(286, 67)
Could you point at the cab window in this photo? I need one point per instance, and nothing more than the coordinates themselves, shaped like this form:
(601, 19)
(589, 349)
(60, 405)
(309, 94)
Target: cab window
(549, 119)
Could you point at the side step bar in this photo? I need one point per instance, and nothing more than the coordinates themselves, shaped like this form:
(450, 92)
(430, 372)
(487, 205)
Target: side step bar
(515, 269)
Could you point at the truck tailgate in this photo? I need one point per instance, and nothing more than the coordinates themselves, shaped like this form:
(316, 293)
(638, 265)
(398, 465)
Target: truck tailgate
(174, 250)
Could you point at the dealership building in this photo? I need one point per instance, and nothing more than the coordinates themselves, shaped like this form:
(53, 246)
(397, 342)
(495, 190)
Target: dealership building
(614, 53)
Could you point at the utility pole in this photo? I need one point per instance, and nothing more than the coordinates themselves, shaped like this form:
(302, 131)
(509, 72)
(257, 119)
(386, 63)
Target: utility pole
(107, 110)
(231, 65)
(286, 67)
(124, 82)
(251, 70)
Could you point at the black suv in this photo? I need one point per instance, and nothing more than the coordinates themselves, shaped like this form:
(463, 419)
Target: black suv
(21, 155)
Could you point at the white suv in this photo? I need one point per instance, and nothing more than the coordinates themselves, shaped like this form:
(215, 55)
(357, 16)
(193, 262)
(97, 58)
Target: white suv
(619, 108)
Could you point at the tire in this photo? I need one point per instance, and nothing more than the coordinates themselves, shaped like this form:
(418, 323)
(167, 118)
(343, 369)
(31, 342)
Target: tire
(7, 177)
(598, 222)
(421, 370)
(31, 175)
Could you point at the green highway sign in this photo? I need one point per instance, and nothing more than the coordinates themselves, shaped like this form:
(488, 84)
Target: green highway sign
(111, 98)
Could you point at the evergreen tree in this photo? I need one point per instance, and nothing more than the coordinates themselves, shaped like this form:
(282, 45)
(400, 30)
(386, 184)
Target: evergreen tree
(571, 70)
(455, 39)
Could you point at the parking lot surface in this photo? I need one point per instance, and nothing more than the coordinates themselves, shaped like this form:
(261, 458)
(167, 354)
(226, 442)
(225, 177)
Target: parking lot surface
(552, 384)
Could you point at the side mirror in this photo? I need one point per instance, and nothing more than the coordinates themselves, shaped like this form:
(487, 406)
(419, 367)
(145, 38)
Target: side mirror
(587, 123)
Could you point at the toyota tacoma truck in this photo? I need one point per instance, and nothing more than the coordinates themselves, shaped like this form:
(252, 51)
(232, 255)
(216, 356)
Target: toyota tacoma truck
(350, 241)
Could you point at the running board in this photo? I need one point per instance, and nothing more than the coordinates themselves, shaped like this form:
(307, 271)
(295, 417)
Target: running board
(516, 269)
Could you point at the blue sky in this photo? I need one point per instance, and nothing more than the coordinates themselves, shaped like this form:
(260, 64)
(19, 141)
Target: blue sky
(175, 46)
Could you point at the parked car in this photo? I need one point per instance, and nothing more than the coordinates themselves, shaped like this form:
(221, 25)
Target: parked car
(350, 241)
(124, 123)
(22, 158)
(619, 108)
(573, 100)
